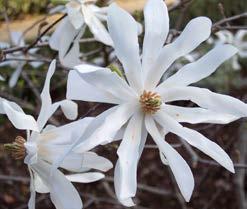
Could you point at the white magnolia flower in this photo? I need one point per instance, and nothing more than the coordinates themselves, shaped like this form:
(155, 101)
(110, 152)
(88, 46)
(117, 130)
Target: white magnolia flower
(238, 40)
(143, 102)
(44, 145)
(65, 39)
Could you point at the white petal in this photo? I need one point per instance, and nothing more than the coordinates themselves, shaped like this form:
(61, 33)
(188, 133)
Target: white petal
(93, 161)
(123, 30)
(128, 202)
(104, 79)
(196, 139)
(31, 202)
(19, 119)
(128, 154)
(46, 97)
(195, 115)
(196, 31)
(206, 99)
(62, 192)
(85, 177)
(16, 74)
(97, 28)
(78, 89)
(178, 165)
(63, 135)
(202, 68)
(74, 13)
(104, 129)
(40, 186)
(68, 43)
(156, 30)
(69, 108)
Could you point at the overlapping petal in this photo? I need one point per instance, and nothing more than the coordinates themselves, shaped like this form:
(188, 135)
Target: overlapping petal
(195, 115)
(156, 30)
(202, 68)
(78, 89)
(196, 31)
(128, 154)
(206, 99)
(123, 30)
(104, 79)
(178, 165)
(195, 139)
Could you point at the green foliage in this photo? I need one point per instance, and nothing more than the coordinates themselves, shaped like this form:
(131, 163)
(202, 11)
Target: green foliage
(15, 8)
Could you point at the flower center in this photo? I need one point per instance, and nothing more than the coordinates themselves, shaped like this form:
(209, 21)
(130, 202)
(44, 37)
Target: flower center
(17, 148)
(150, 102)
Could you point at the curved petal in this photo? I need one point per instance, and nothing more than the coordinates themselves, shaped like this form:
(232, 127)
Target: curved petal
(195, 115)
(31, 201)
(19, 119)
(40, 186)
(104, 79)
(78, 89)
(85, 177)
(107, 127)
(128, 154)
(123, 30)
(206, 99)
(96, 27)
(156, 31)
(196, 139)
(196, 31)
(75, 14)
(58, 185)
(68, 43)
(62, 135)
(46, 101)
(178, 165)
(69, 108)
(202, 68)
(128, 202)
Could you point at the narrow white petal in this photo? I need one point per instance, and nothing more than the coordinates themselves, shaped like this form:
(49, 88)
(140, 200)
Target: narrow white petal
(202, 68)
(105, 127)
(97, 28)
(75, 14)
(128, 202)
(206, 99)
(40, 186)
(46, 101)
(85, 177)
(196, 31)
(63, 193)
(196, 139)
(19, 119)
(68, 43)
(104, 79)
(156, 30)
(78, 89)
(178, 165)
(31, 201)
(123, 30)
(195, 115)
(69, 108)
(128, 154)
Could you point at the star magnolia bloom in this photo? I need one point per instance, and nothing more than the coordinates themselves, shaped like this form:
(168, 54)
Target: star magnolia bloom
(238, 40)
(142, 102)
(44, 145)
(17, 40)
(81, 13)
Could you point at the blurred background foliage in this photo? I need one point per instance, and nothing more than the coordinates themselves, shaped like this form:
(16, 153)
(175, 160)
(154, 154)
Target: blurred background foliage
(17, 8)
